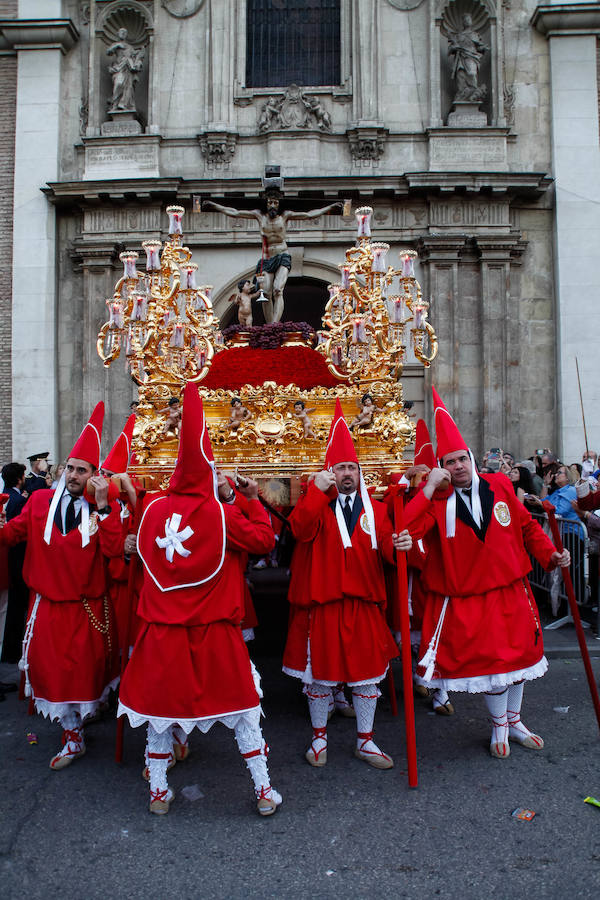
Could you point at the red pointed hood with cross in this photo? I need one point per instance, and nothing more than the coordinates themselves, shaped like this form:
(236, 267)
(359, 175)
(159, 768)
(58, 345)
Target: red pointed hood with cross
(119, 456)
(181, 539)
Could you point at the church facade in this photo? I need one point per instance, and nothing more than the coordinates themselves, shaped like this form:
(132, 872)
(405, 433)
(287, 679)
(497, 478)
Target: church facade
(470, 126)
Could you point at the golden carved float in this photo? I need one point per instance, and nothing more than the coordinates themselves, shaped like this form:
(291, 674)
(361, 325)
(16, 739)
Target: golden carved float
(165, 324)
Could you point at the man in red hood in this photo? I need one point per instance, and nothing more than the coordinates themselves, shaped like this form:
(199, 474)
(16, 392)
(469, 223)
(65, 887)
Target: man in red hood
(481, 627)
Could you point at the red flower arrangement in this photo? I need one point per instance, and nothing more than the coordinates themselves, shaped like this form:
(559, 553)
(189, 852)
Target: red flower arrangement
(237, 366)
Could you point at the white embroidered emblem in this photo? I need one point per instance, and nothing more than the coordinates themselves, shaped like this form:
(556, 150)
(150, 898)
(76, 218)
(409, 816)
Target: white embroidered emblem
(364, 523)
(93, 524)
(502, 513)
(172, 542)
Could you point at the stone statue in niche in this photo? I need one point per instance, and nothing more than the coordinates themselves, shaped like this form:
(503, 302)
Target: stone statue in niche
(125, 70)
(467, 50)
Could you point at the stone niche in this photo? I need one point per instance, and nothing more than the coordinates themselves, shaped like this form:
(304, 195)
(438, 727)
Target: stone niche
(122, 64)
(471, 108)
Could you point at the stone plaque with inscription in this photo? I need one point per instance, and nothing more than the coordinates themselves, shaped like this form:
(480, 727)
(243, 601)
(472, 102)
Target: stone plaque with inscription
(457, 151)
(127, 158)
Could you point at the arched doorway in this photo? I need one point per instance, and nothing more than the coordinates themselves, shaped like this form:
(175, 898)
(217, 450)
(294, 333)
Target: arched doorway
(305, 300)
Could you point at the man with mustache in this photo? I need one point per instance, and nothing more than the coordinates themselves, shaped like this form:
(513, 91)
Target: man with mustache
(338, 633)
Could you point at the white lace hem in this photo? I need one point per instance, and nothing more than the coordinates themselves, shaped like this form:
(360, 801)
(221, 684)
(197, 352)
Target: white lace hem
(204, 724)
(85, 708)
(478, 684)
(296, 673)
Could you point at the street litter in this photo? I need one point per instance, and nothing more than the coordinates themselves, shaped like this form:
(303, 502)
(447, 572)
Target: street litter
(192, 792)
(330, 872)
(592, 801)
(561, 709)
(524, 815)
(31, 738)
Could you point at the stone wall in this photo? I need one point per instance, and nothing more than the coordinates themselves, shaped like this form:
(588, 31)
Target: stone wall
(8, 80)
(475, 198)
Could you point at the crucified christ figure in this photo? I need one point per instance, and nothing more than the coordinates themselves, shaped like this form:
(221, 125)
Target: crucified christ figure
(276, 261)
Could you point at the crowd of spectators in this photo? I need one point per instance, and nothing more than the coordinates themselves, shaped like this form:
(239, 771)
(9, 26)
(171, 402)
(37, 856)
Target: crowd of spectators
(544, 476)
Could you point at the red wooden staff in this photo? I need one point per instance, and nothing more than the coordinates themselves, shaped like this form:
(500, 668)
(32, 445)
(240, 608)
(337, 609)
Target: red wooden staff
(550, 510)
(407, 675)
(133, 564)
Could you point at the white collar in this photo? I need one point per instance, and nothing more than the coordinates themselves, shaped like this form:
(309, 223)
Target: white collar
(342, 499)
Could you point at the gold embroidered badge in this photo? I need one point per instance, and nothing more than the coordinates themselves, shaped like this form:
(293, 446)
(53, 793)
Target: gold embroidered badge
(364, 523)
(502, 513)
(93, 524)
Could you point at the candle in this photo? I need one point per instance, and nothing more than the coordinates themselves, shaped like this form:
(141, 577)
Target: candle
(178, 336)
(396, 310)
(345, 273)
(407, 257)
(363, 220)
(188, 276)
(152, 249)
(175, 214)
(139, 312)
(420, 314)
(128, 259)
(379, 257)
(334, 290)
(359, 334)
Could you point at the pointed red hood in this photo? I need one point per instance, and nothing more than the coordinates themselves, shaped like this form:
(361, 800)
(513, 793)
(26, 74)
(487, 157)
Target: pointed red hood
(194, 469)
(87, 445)
(449, 438)
(118, 458)
(340, 446)
(423, 447)
(181, 538)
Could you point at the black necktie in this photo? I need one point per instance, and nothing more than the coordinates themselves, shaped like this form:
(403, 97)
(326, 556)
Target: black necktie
(70, 516)
(467, 492)
(348, 511)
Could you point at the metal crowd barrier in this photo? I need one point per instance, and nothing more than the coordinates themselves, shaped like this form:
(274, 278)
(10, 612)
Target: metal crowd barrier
(575, 539)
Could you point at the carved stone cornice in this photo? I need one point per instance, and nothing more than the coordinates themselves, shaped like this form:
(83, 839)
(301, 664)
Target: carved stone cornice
(566, 19)
(367, 144)
(218, 148)
(38, 34)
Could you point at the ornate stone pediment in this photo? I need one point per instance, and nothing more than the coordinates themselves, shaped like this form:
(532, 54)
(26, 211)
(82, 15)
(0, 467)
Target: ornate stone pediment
(295, 110)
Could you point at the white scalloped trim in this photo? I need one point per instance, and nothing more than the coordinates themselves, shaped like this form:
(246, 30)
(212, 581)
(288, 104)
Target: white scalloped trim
(295, 673)
(582, 488)
(479, 684)
(230, 720)
(85, 708)
(160, 724)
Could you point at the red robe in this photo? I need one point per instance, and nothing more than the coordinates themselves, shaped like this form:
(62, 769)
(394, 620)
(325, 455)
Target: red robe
(491, 626)
(70, 660)
(190, 662)
(337, 596)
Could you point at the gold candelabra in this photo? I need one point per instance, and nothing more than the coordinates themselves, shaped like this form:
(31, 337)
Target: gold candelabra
(162, 319)
(368, 327)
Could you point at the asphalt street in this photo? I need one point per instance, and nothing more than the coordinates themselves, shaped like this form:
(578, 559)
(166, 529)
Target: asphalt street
(345, 830)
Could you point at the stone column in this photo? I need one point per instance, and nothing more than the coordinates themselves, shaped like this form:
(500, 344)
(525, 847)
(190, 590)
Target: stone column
(221, 65)
(572, 31)
(500, 383)
(39, 44)
(440, 258)
(365, 78)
